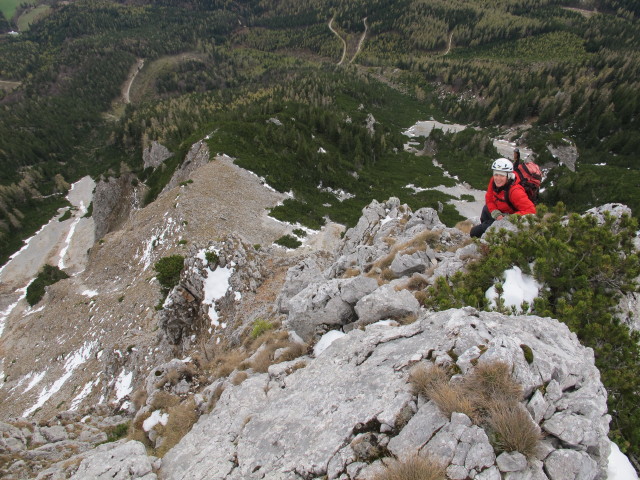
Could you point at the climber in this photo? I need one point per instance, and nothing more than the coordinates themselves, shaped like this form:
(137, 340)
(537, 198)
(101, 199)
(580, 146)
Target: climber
(504, 196)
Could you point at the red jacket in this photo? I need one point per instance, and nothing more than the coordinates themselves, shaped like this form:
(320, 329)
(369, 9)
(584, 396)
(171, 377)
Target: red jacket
(495, 198)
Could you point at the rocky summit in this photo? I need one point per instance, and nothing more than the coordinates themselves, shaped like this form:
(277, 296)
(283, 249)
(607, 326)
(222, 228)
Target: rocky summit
(304, 366)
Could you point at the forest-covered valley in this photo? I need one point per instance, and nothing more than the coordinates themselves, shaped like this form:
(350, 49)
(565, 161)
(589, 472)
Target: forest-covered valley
(567, 69)
(261, 80)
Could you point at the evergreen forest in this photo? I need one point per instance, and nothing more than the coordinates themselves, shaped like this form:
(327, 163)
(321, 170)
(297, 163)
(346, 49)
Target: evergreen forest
(315, 96)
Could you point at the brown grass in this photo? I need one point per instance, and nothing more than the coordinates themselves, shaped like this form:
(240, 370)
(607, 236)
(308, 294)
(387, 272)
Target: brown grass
(239, 377)
(223, 365)
(407, 319)
(217, 393)
(294, 351)
(416, 282)
(139, 398)
(489, 383)
(451, 398)
(424, 378)
(412, 468)
(514, 428)
(351, 272)
(464, 226)
(181, 419)
(388, 275)
(164, 401)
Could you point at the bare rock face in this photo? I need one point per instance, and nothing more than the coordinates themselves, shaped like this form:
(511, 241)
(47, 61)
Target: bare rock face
(113, 201)
(230, 264)
(354, 401)
(197, 157)
(155, 154)
(566, 155)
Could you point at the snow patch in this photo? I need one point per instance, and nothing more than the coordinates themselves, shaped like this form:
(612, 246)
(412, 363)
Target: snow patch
(517, 288)
(73, 361)
(156, 417)
(86, 390)
(216, 286)
(123, 385)
(619, 467)
(326, 340)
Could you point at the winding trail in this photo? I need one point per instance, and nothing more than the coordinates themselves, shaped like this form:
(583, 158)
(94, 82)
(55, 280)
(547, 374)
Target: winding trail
(361, 41)
(449, 44)
(344, 43)
(132, 76)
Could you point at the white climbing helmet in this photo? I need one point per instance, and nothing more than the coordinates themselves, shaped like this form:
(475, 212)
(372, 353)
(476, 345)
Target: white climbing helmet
(502, 165)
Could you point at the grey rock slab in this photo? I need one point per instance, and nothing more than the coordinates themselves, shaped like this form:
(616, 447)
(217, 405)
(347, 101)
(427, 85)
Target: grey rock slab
(385, 303)
(457, 472)
(118, 461)
(304, 425)
(570, 465)
(307, 271)
(511, 462)
(57, 433)
(422, 426)
(572, 429)
(491, 473)
(403, 265)
(480, 456)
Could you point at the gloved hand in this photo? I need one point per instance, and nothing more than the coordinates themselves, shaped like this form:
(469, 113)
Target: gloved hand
(496, 213)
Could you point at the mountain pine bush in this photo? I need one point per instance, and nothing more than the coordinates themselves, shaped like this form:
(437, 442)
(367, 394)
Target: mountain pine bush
(585, 267)
(47, 276)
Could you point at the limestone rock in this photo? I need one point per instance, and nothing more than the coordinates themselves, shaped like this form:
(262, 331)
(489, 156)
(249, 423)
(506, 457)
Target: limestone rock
(155, 154)
(119, 461)
(385, 303)
(569, 465)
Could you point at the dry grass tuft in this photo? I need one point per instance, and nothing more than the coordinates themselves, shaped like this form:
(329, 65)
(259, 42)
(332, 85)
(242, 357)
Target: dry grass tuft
(262, 360)
(226, 363)
(162, 400)
(413, 468)
(181, 419)
(465, 226)
(139, 398)
(491, 382)
(294, 351)
(351, 272)
(407, 319)
(514, 429)
(239, 377)
(424, 378)
(388, 275)
(451, 398)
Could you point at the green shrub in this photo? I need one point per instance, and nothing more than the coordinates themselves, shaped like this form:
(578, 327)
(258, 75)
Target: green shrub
(585, 268)
(288, 241)
(260, 326)
(66, 215)
(89, 211)
(47, 276)
(168, 271)
(117, 432)
(299, 232)
(212, 258)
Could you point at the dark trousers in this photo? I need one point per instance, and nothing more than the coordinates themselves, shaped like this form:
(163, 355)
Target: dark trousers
(485, 222)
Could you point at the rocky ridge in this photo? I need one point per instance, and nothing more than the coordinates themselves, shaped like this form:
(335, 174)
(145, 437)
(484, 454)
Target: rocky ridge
(341, 412)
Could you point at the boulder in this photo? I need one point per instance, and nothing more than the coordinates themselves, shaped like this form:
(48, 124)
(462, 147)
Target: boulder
(386, 303)
(322, 306)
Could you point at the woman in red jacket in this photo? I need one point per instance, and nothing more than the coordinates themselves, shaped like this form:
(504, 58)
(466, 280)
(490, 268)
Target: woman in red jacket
(504, 196)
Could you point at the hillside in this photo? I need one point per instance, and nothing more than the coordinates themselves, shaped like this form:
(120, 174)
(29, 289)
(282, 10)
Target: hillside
(259, 179)
(508, 64)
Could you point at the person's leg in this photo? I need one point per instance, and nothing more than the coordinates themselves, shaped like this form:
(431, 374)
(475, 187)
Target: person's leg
(486, 219)
(485, 215)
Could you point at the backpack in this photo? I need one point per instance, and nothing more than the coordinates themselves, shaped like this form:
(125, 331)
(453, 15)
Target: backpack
(530, 177)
